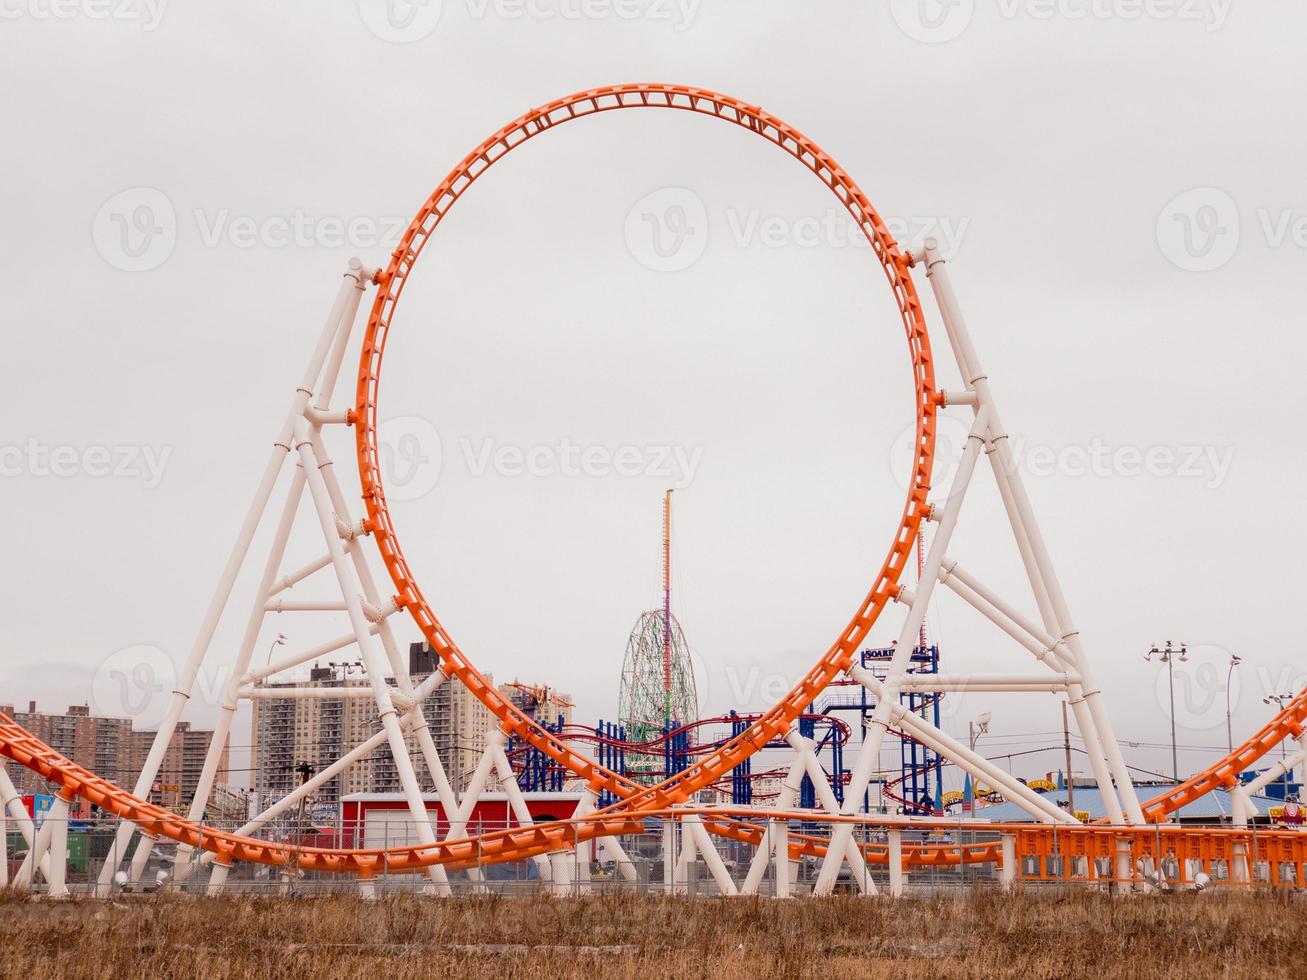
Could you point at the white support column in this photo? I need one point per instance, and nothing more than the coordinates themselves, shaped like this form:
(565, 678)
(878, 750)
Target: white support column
(784, 801)
(508, 780)
(227, 580)
(11, 800)
(57, 877)
(781, 850)
(1008, 869)
(896, 863)
(716, 866)
(686, 856)
(669, 855)
(1044, 578)
(874, 734)
(373, 664)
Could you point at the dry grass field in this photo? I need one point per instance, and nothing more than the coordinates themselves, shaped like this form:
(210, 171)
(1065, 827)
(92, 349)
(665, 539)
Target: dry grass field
(983, 934)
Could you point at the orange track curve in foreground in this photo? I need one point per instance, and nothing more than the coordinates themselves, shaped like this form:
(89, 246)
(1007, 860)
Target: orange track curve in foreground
(21, 746)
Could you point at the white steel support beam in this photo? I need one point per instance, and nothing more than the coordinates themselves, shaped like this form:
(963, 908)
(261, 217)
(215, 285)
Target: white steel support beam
(373, 663)
(1044, 579)
(355, 279)
(879, 723)
(10, 800)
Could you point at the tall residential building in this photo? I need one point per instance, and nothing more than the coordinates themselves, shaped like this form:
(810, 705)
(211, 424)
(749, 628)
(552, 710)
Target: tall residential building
(110, 748)
(289, 733)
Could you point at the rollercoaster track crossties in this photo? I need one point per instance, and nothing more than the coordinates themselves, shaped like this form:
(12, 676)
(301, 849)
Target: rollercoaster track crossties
(518, 843)
(895, 264)
(635, 802)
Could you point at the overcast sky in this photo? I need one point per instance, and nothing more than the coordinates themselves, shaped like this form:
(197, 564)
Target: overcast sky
(1118, 183)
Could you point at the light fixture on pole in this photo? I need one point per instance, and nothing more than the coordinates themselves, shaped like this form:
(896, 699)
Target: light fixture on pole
(280, 641)
(1235, 661)
(1168, 657)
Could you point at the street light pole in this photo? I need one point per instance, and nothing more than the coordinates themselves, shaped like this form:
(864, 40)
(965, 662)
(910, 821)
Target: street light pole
(1167, 657)
(1235, 661)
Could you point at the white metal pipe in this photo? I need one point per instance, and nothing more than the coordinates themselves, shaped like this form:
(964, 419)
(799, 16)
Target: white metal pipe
(517, 802)
(716, 866)
(895, 858)
(1042, 646)
(986, 682)
(304, 605)
(254, 622)
(227, 580)
(11, 800)
(963, 757)
(375, 665)
(299, 575)
(784, 801)
(879, 723)
(57, 877)
(1006, 473)
(306, 656)
(804, 749)
(1281, 767)
(1007, 874)
(304, 693)
(669, 855)
(37, 857)
(426, 744)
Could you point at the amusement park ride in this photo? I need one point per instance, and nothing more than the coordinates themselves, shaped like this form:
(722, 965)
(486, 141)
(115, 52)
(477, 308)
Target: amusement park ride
(812, 818)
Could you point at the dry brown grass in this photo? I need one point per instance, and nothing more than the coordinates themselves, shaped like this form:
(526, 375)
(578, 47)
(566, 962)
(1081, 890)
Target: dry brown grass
(983, 934)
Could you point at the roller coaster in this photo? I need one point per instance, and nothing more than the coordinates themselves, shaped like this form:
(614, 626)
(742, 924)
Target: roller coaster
(811, 818)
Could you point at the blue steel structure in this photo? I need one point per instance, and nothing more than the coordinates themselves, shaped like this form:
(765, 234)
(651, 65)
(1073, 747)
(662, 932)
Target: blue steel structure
(919, 786)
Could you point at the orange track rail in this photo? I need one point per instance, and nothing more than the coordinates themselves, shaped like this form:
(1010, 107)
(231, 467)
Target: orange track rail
(635, 802)
(21, 746)
(776, 722)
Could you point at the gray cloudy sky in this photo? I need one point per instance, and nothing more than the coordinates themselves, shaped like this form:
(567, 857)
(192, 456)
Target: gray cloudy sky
(654, 298)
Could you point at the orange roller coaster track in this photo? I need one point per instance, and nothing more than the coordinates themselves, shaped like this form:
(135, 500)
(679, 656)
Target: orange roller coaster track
(895, 264)
(635, 803)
